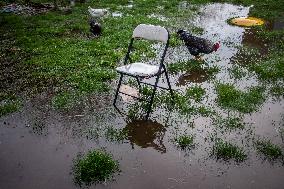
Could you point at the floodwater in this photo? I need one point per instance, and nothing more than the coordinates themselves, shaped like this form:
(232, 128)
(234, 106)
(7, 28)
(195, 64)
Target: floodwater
(38, 144)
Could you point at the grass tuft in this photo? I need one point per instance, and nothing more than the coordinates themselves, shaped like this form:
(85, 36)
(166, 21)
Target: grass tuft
(184, 141)
(8, 104)
(95, 166)
(226, 151)
(268, 149)
(196, 92)
(232, 98)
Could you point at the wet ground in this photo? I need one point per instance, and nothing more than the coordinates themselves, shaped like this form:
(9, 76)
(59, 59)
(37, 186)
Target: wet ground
(38, 144)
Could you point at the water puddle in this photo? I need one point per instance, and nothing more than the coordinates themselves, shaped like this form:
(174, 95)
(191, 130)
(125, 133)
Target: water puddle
(38, 144)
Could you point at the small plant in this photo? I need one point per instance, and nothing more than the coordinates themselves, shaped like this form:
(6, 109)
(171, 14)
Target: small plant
(95, 166)
(268, 149)
(184, 141)
(117, 135)
(196, 92)
(226, 151)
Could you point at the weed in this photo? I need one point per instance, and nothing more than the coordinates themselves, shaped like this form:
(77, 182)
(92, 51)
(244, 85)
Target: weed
(184, 141)
(95, 166)
(196, 92)
(268, 149)
(226, 151)
(245, 102)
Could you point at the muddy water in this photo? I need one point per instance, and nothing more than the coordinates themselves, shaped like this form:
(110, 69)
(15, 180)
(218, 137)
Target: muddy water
(38, 144)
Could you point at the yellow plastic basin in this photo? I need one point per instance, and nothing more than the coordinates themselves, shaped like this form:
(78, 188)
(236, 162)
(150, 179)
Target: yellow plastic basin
(247, 21)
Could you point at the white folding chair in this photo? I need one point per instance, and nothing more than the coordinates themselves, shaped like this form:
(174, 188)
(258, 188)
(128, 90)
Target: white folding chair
(140, 70)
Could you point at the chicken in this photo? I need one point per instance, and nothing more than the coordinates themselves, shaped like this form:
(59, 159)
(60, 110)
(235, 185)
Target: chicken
(197, 45)
(95, 27)
(97, 13)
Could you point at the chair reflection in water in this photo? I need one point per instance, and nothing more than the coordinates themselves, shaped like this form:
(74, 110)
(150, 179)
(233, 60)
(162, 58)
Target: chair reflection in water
(146, 133)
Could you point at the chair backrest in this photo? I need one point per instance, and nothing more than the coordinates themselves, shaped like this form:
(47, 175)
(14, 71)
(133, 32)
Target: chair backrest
(151, 32)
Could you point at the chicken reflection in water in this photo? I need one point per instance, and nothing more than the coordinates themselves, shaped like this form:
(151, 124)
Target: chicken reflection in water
(196, 76)
(146, 134)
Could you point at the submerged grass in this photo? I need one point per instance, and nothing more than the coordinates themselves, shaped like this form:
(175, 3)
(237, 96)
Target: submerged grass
(8, 103)
(184, 141)
(115, 135)
(196, 92)
(95, 166)
(192, 65)
(226, 151)
(232, 98)
(230, 123)
(268, 149)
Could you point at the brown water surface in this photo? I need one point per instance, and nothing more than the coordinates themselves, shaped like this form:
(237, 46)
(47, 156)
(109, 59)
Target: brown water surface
(38, 144)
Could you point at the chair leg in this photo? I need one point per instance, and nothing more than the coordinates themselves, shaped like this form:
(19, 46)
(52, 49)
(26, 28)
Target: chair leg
(169, 84)
(152, 98)
(117, 90)
(139, 85)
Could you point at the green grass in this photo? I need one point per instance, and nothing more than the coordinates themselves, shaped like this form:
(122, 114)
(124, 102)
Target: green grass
(95, 166)
(232, 98)
(268, 149)
(226, 151)
(196, 92)
(184, 141)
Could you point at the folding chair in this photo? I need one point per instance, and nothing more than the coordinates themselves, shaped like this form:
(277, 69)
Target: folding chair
(141, 70)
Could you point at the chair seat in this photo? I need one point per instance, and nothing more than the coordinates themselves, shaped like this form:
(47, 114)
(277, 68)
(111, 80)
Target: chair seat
(139, 69)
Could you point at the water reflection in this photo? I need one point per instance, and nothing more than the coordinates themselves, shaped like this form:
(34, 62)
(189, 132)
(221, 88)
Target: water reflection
(196, 76)
(146, 134)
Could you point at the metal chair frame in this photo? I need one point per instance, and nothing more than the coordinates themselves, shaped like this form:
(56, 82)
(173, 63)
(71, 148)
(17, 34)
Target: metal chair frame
(162, 70)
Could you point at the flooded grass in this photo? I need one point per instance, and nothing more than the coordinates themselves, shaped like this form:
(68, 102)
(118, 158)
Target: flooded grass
(8, 103)
(115, 135)
(230, 123)
(196, 92)
(245, 102)
(95, 166)
(52, 57)
(268, 149)
(226, 151)
(184, 141)
(237, 72)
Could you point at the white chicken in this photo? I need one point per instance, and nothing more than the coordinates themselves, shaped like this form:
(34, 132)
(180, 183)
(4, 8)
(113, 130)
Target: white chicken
(97, 13)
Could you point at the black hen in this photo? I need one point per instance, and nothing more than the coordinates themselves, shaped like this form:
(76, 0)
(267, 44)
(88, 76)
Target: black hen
(95, 27)
(197, 45)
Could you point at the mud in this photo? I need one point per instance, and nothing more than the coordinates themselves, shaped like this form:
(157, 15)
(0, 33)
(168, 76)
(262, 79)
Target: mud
(38, 144)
